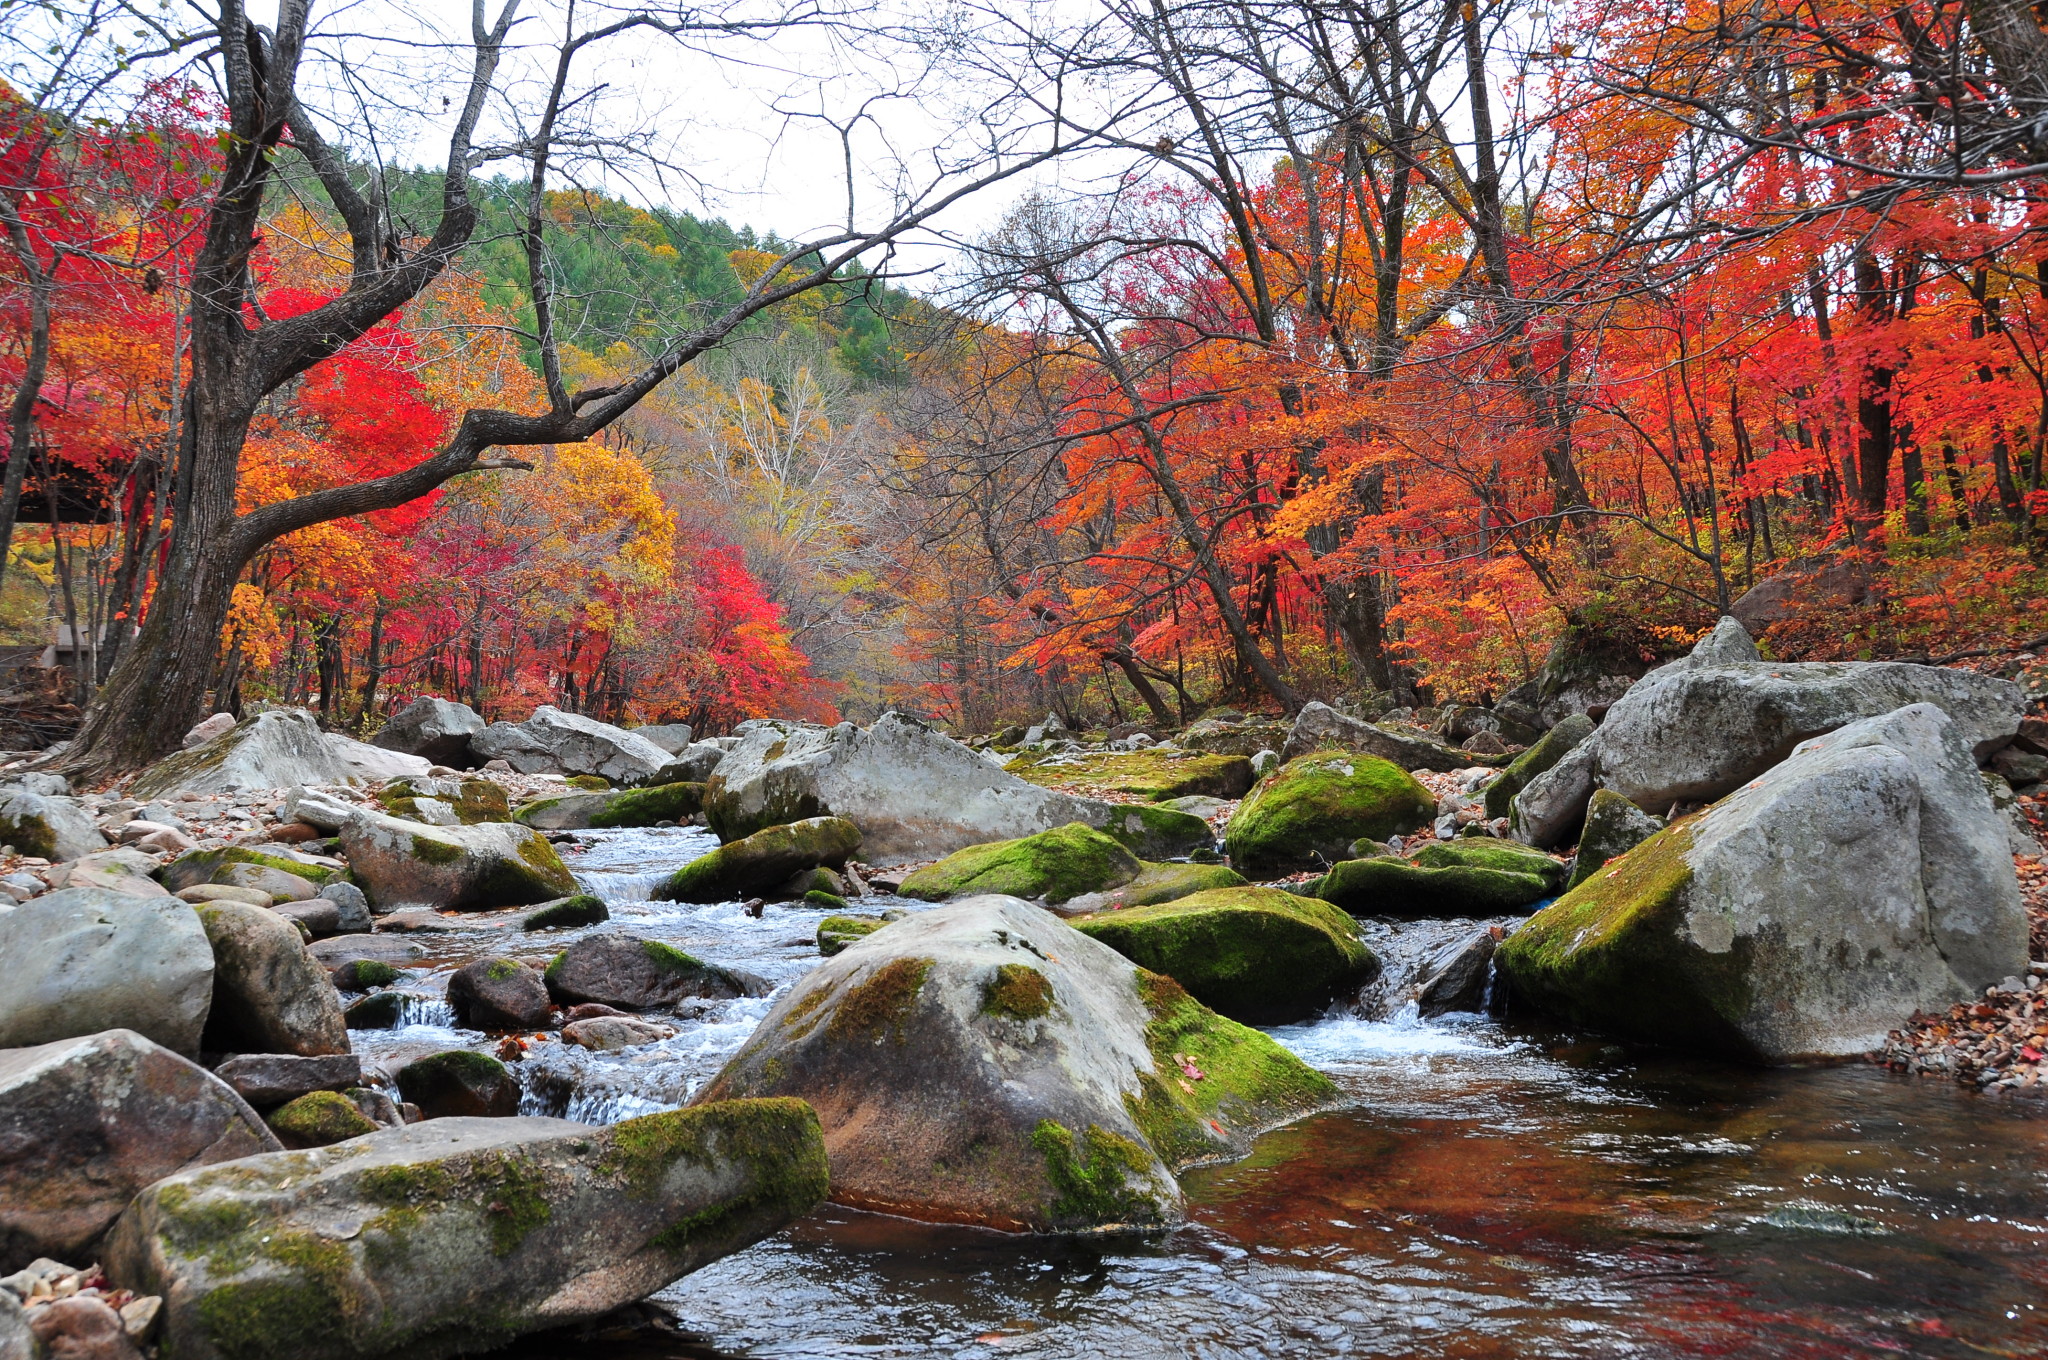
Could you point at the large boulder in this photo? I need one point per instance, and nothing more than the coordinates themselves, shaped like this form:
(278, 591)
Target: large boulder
(1318, 727)
(85, 960)
(1258, 955)
(1700, 727)
(51, 826)
(1051, 866)
(554, 742)
(1222, 737)
(273, 750)
(88, 1121)
(269, 994)
(1805, 915)
(367, 764)
(458, 1234)
(492, 864)
(440, 801)
(1614, 826)
(637, 974)
(1153, 775)
(1553, 746)
(674, 738)
(1457, 878)
(984, 1063)
(284, 878)
(433, 728)
(914, 793)
(1307, 813)
(650, 806)
(760, 863)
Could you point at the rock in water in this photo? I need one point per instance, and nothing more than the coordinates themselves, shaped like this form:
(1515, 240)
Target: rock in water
(459, 1084)
(86, 959)
(53, 827)
(87, 1122)
(758, 864)
(628, 807)
(269, 994)
(1614, 826)
(1310, 810)
(1319, 727)
(1803, 916)
(1257, 955)
(1456, 977)
(458, 1234)
(637, 974)
(433, 728)
(498, 993)
(554, 742)
(493, 864)
(984, 1063)
(1052, 866)
(1699, 728)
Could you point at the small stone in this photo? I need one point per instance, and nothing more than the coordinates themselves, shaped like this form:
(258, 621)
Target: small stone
(608, 1033)
(81, 1328)
(320, 1119)
(499, 993)
(459, 1083)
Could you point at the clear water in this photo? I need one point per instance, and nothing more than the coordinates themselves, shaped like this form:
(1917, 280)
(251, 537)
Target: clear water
(1496, 1190)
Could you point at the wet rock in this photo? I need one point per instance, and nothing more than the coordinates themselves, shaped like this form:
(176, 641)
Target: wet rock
(1051, 866)
(610, 1033)
(1699, 728)
(360, 975)
(499, 993)
(983, 1063)
(1257, 955)
(459, 1084)
(81, 1328)
(267, 1079)
(83, 960)
(446, 802)
(269, 994)
(458, 1235)
(320, 1119)
(1320, 727)
(566, 913)
(590, 1010)
(1805, 915)
(1614, 826)
(1458, 977)
(384, 1010)
(436, 729)
(637, 974)
(53, 827)
(757, 864)
(87, 1122)
(1310, 810)
(351, 907)
(332, 954)
(837, 932)
(628, 807)
(554, 742)
(493, 864)
(1560, 741)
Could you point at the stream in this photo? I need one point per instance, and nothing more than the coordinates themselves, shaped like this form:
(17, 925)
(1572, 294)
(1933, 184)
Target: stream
(1496, 1189)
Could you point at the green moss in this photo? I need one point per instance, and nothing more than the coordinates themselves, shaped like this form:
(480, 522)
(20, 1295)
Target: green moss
(514, 1193)
(30, 835)
(204, 866)
(1167, 882)
(1550, 748)
(1488, 853)
(1107, 1182)
(1394, 887)
(318, 1119)
(1256, 954)
(497, 970)
(777, 1143)
(763, 862)
(579, 910)
(824, 901)
(202, 1226)
(360, 975)
(805, 1008)
(1017, 991)
(1310, 810)
(422, 1080)
(1159, 833)
(881, 1002)
(1053, 865)
(589, 783)
(297, 1315)
(432, 850)
(425, 1182)
(1149, 774)
(672, 960)
(556, 964)
(645, 807)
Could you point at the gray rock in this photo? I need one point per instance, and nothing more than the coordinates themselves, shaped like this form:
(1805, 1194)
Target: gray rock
(458, 1234)
(53, 827)
(17, 1341)
(610, 1033)
(498, 993)
(492, 864)
(984, 1063)
(637, 974)
(673, 738)
(266, 1079)
(269, 994)
(207, 729)
(693, 764)
(84, 960)
(352, 907)
(760, 863)
(1457, 977)
(322, 811)
(1701, 727)
(1553, 746)
(1807, 914)
(123, 870)
(1614, 826)
(1318, 725)
(86, 1122)
(273, 750)
(320, 917)
(554, 742)
(436, 729)
(367, 764)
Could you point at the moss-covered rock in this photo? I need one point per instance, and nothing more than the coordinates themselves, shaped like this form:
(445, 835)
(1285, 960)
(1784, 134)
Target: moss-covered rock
(1485, 852)
(360, 975)
(1152, 832)
(445, 802)
(630, 807)
(1614, 826)
(837, 932)
(1550, 748)
(318, 1119)
(1052, 866)
(762, 862)
(1168, 882)
(1246, 738)
(48, 825)
(1154, 775)
(821, 900)
(459, 1083)
(459, 1234)
(1397, 887)
(465, 868)
(195, 867)
(634, 973)
(381, 1010)
(566, 913)
(1309, 811)
(1258, 955)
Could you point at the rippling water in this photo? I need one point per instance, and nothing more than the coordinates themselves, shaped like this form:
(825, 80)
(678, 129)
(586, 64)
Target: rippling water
(1494, 1191)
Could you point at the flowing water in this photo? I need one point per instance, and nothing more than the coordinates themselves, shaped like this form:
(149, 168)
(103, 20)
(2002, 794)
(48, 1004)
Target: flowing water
(1496, 1190)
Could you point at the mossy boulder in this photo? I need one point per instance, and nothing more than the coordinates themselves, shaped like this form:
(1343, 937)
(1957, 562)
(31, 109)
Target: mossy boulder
(1162, 883)
(1307, 813)
(1550, 748)
(1051, 866)
(380, 1010)
(195, 867)
(837, 932)
(1153, 775)
(445, 802)
(630, 807)
(636, 974)
(459, 1083)
(759, 864)
(1614, 826)
(460, 1234)
(498, 993)
(1152, 832)
(821, 900)
(983, 1063)
(319, 1119)
(1246, 738)
(1805, 915)
(1486, 852)
(49, 825)
(1258, 955)
(360, 975)
(566, 913)
(1399, 887)
(406, 864)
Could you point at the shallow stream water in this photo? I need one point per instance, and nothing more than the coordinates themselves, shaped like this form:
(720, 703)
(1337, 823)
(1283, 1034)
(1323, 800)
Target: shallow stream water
(1496, 1190)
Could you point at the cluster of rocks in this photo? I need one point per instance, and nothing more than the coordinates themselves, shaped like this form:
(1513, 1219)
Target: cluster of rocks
(73, 1313)
(1998, 1042)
